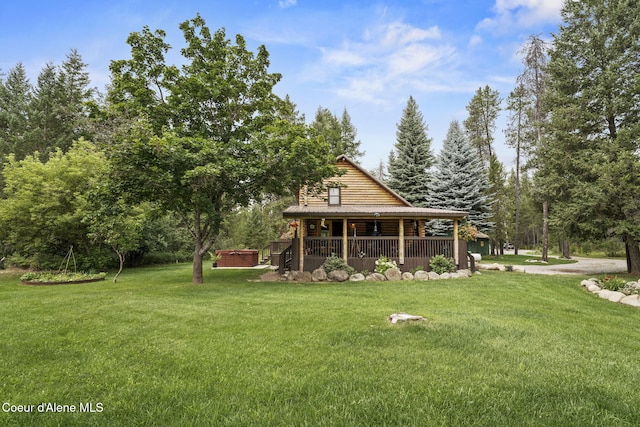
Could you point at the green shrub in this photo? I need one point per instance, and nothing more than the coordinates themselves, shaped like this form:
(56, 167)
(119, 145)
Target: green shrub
(440, 264)
(334, 263)
(613, 283)
(383, 264)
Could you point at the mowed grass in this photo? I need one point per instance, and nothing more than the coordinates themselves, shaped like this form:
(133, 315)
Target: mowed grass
(153, 349)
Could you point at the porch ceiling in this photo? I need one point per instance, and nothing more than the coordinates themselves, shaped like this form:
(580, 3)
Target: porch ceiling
(363, 211)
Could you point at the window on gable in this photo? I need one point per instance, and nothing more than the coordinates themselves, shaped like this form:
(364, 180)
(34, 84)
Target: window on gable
(334, 196)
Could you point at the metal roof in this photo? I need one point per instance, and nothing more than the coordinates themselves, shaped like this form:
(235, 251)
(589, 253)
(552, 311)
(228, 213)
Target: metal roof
(359, 211)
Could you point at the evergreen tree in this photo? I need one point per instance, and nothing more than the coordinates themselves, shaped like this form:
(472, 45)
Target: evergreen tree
(339, 133)
(460, 183)
(589, 157)
(500, 206)
(518, 135)
(349, 133)
(15, 100)
(411, 161)
(51, 115)
(533, 81)
(483, 111)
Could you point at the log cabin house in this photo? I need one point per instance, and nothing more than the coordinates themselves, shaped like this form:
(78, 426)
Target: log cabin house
(359, 219)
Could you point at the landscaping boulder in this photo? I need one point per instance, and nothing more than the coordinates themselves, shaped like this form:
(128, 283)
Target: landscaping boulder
(616, 296)
(455, 275)
(319, 275)
(594, 288)
(403, 317)
(633, 300)
(376, 277)
(393, 274)
(421, 275)
(612, 296)
(338, 276)
(407, 276)
(433, 275)
(358, 277)
(445, 276)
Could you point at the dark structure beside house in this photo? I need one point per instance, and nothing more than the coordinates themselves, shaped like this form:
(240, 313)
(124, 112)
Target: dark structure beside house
(237, 258)
(480, 245)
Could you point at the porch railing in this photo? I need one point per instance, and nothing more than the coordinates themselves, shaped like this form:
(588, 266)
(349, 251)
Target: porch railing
(373, 247)
(363, 251)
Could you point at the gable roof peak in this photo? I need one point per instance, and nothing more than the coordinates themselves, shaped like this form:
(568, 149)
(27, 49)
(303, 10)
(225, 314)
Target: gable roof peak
(344, 158)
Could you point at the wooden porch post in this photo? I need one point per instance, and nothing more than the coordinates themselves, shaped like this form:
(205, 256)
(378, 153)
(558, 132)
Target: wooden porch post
(456, 245)
(401, 241)
(301, 249)
(345, 241)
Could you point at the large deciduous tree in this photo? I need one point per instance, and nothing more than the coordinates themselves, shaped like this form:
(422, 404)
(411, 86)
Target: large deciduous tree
(45, 204)
(411, 161)
(217, 137)
(591, 151)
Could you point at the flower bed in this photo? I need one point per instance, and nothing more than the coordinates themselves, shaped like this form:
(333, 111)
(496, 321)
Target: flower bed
(57, 278)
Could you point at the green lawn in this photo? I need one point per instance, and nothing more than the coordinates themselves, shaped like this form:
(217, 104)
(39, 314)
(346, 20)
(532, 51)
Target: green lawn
(153, 349)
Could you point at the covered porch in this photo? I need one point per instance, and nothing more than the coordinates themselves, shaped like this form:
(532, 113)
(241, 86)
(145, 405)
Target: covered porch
(360, 235)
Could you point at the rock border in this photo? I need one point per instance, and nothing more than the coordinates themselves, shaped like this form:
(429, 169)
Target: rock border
(339, 276)
(593, 286)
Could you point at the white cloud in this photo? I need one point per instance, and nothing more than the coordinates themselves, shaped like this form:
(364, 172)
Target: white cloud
(342, 57)
(287, 3)
(389, 57)
(399, 33)
(475, 40)
(511, 14)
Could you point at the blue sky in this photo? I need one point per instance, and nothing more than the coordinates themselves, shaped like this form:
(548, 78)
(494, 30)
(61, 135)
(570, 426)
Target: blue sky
(365, 56)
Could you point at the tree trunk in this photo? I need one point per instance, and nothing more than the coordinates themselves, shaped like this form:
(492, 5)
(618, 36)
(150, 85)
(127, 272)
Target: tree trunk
(545, 231)
(516, 240)
(197, 278)
(564, 249)
(633, 254)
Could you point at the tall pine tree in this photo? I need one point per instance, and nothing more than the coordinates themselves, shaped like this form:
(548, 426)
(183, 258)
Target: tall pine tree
(590, 156)
(339, 133)
(411, 161)
(483, 112)
(15, 99)
(460, 183)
